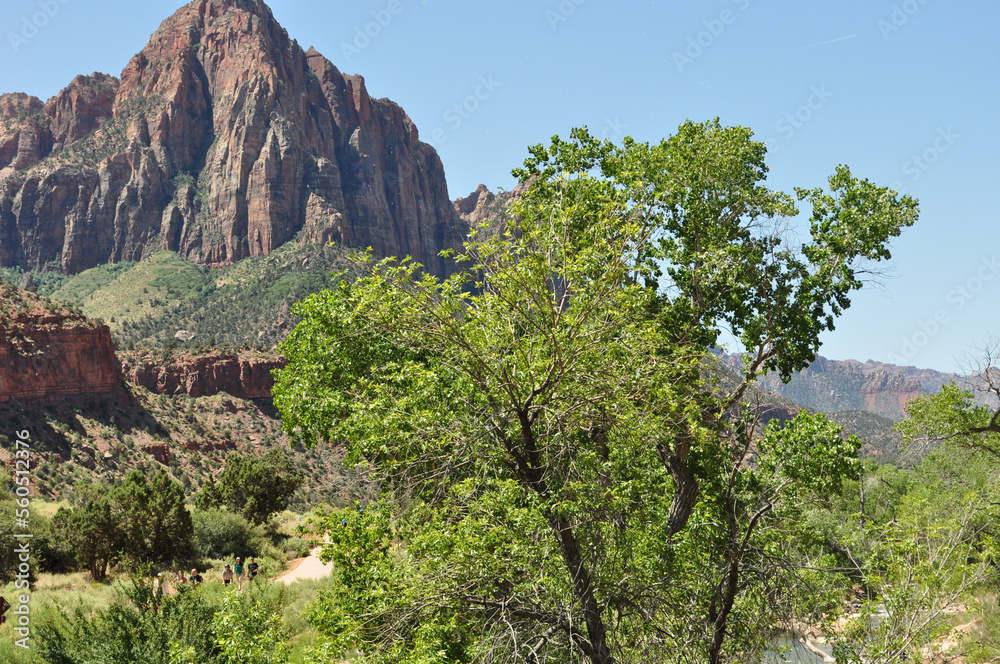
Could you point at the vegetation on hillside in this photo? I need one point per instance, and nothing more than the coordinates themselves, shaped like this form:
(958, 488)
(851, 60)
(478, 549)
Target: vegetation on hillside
(147, 304)
(101, 438)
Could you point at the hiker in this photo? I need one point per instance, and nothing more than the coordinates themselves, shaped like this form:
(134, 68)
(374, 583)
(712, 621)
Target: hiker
(180, 580)
(238, 571)
(252, 568)
(227, 576)
(195, 579)
(158, 584)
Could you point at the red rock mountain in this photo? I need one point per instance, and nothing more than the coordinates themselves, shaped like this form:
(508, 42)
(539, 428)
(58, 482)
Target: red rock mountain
(222, 139)
(832, 386)
(46, 350)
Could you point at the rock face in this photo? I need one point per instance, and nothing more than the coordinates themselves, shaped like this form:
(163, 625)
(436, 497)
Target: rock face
(886, 394)
(222, 139)
(831, 386)
(483, 205)
(50, 351)
(241, 376)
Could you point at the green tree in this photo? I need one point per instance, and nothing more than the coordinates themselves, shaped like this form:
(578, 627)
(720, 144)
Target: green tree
(91, 534)
(566, 469)
(209, 497)
(138, 519)
(257, 487)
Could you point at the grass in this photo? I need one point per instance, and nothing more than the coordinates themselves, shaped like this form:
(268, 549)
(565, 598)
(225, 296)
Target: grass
(47, 508)
(77, 289)
(53, 593)
(132, 292)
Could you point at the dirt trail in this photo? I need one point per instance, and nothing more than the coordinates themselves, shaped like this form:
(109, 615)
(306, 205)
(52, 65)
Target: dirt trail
(310, 567)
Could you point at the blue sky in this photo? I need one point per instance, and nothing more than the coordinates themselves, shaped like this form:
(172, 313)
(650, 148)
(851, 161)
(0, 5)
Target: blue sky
(904, 92)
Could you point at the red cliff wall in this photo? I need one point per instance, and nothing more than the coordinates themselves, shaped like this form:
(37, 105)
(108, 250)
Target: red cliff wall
(51, 351)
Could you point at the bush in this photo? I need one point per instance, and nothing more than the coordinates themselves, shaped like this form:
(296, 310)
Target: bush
(296, 547)
(222, 534)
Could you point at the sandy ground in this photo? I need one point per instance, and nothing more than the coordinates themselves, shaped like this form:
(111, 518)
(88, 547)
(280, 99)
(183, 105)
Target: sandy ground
(310, 567)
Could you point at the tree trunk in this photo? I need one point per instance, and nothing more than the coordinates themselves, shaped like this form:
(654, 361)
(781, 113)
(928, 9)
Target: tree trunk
(598, 653)
(728, 599)
(685, 492)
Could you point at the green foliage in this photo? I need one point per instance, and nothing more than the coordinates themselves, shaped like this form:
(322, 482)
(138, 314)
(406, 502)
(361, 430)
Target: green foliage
(952, 414)
(138, 628)
(257, 487)
(564, 476)
(927, 561)
(222, 534)
(810, 451)
(41, 543)
(250, 631)
(137, 519)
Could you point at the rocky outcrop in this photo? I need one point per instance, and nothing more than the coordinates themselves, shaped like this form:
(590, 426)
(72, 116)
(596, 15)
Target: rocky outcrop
(886, 394)
(46, 350)
(223, 139)
(242, 376)
(832, 386)
(475, 207)
(482, 205)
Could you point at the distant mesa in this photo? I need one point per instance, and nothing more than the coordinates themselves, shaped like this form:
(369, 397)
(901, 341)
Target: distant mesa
(221, 139)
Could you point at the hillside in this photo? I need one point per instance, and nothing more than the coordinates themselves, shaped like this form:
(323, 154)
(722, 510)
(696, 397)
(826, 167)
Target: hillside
(88, 438)
(831, 386)
(94, 415)
(166, 301)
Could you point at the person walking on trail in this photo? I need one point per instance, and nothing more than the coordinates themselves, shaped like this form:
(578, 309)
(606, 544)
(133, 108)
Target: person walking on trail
(158, 584)
(227, 576)
(238, 572)
(252, 568)
(181, 580)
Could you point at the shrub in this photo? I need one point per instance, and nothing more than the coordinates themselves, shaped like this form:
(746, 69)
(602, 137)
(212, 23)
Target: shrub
(223, 534)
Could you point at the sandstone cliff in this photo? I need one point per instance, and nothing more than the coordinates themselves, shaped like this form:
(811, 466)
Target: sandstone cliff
(240, 375)
(831, 386)
(222, 139)
(46, 350)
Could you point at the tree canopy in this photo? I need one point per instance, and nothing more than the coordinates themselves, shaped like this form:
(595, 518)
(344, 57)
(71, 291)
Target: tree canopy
(139, 519)
(568, 472)
(254, 487)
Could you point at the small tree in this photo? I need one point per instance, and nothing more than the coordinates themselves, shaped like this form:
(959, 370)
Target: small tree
(136, 519)
(259, 487)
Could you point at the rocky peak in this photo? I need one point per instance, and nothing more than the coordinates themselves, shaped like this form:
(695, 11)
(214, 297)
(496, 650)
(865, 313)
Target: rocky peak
(80, 108)
(223, 139)
(482, 196)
